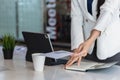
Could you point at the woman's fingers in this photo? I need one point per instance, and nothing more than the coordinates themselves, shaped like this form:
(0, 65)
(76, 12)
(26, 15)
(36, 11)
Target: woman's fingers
(71, 58)
(79, 53)
(71, 61)
(77, 56)
(84, 53)
(79, 60)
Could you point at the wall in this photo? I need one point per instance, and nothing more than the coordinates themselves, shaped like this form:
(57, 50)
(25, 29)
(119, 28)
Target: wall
(21, 15)
(7, 17)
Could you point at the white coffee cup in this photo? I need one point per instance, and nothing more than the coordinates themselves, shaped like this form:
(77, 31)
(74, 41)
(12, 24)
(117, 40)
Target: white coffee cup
(38, 61)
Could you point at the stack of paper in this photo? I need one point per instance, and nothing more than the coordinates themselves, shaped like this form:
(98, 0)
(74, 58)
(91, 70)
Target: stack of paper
(58, 54)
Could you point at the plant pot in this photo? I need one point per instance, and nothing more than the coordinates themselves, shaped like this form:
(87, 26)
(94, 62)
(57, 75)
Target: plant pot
(8, 54)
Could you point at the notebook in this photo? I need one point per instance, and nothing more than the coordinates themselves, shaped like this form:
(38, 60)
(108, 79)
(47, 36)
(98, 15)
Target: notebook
(86, 65)
(41, 43)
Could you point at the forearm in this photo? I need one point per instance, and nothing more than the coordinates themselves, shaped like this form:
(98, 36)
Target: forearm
(94, 35)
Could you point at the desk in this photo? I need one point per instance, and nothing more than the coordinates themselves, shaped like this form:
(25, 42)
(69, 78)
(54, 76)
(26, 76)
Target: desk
(19, 69)
(22, 70)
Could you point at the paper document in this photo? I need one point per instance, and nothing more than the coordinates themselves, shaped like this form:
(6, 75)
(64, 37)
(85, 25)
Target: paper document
(58, 54)
(90, 65)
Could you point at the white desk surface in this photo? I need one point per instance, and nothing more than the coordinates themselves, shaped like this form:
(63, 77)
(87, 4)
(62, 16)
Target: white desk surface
(19, 69)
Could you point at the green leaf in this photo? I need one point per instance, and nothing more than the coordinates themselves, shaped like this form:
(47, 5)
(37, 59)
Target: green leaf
(8, 42)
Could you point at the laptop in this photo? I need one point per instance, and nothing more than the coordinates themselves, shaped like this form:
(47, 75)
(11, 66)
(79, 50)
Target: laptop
(40, 43)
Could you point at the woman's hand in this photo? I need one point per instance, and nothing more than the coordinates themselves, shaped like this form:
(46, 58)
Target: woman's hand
(79, 53)
(82, 50)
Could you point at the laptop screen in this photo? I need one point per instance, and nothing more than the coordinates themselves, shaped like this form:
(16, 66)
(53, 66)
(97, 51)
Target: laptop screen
(37, 42)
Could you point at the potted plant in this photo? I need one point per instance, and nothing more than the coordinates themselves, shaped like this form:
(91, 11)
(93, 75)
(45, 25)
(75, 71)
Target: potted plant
(8, 43)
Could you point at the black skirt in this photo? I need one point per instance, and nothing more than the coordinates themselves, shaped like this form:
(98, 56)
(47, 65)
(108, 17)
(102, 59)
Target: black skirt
(93, 56)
